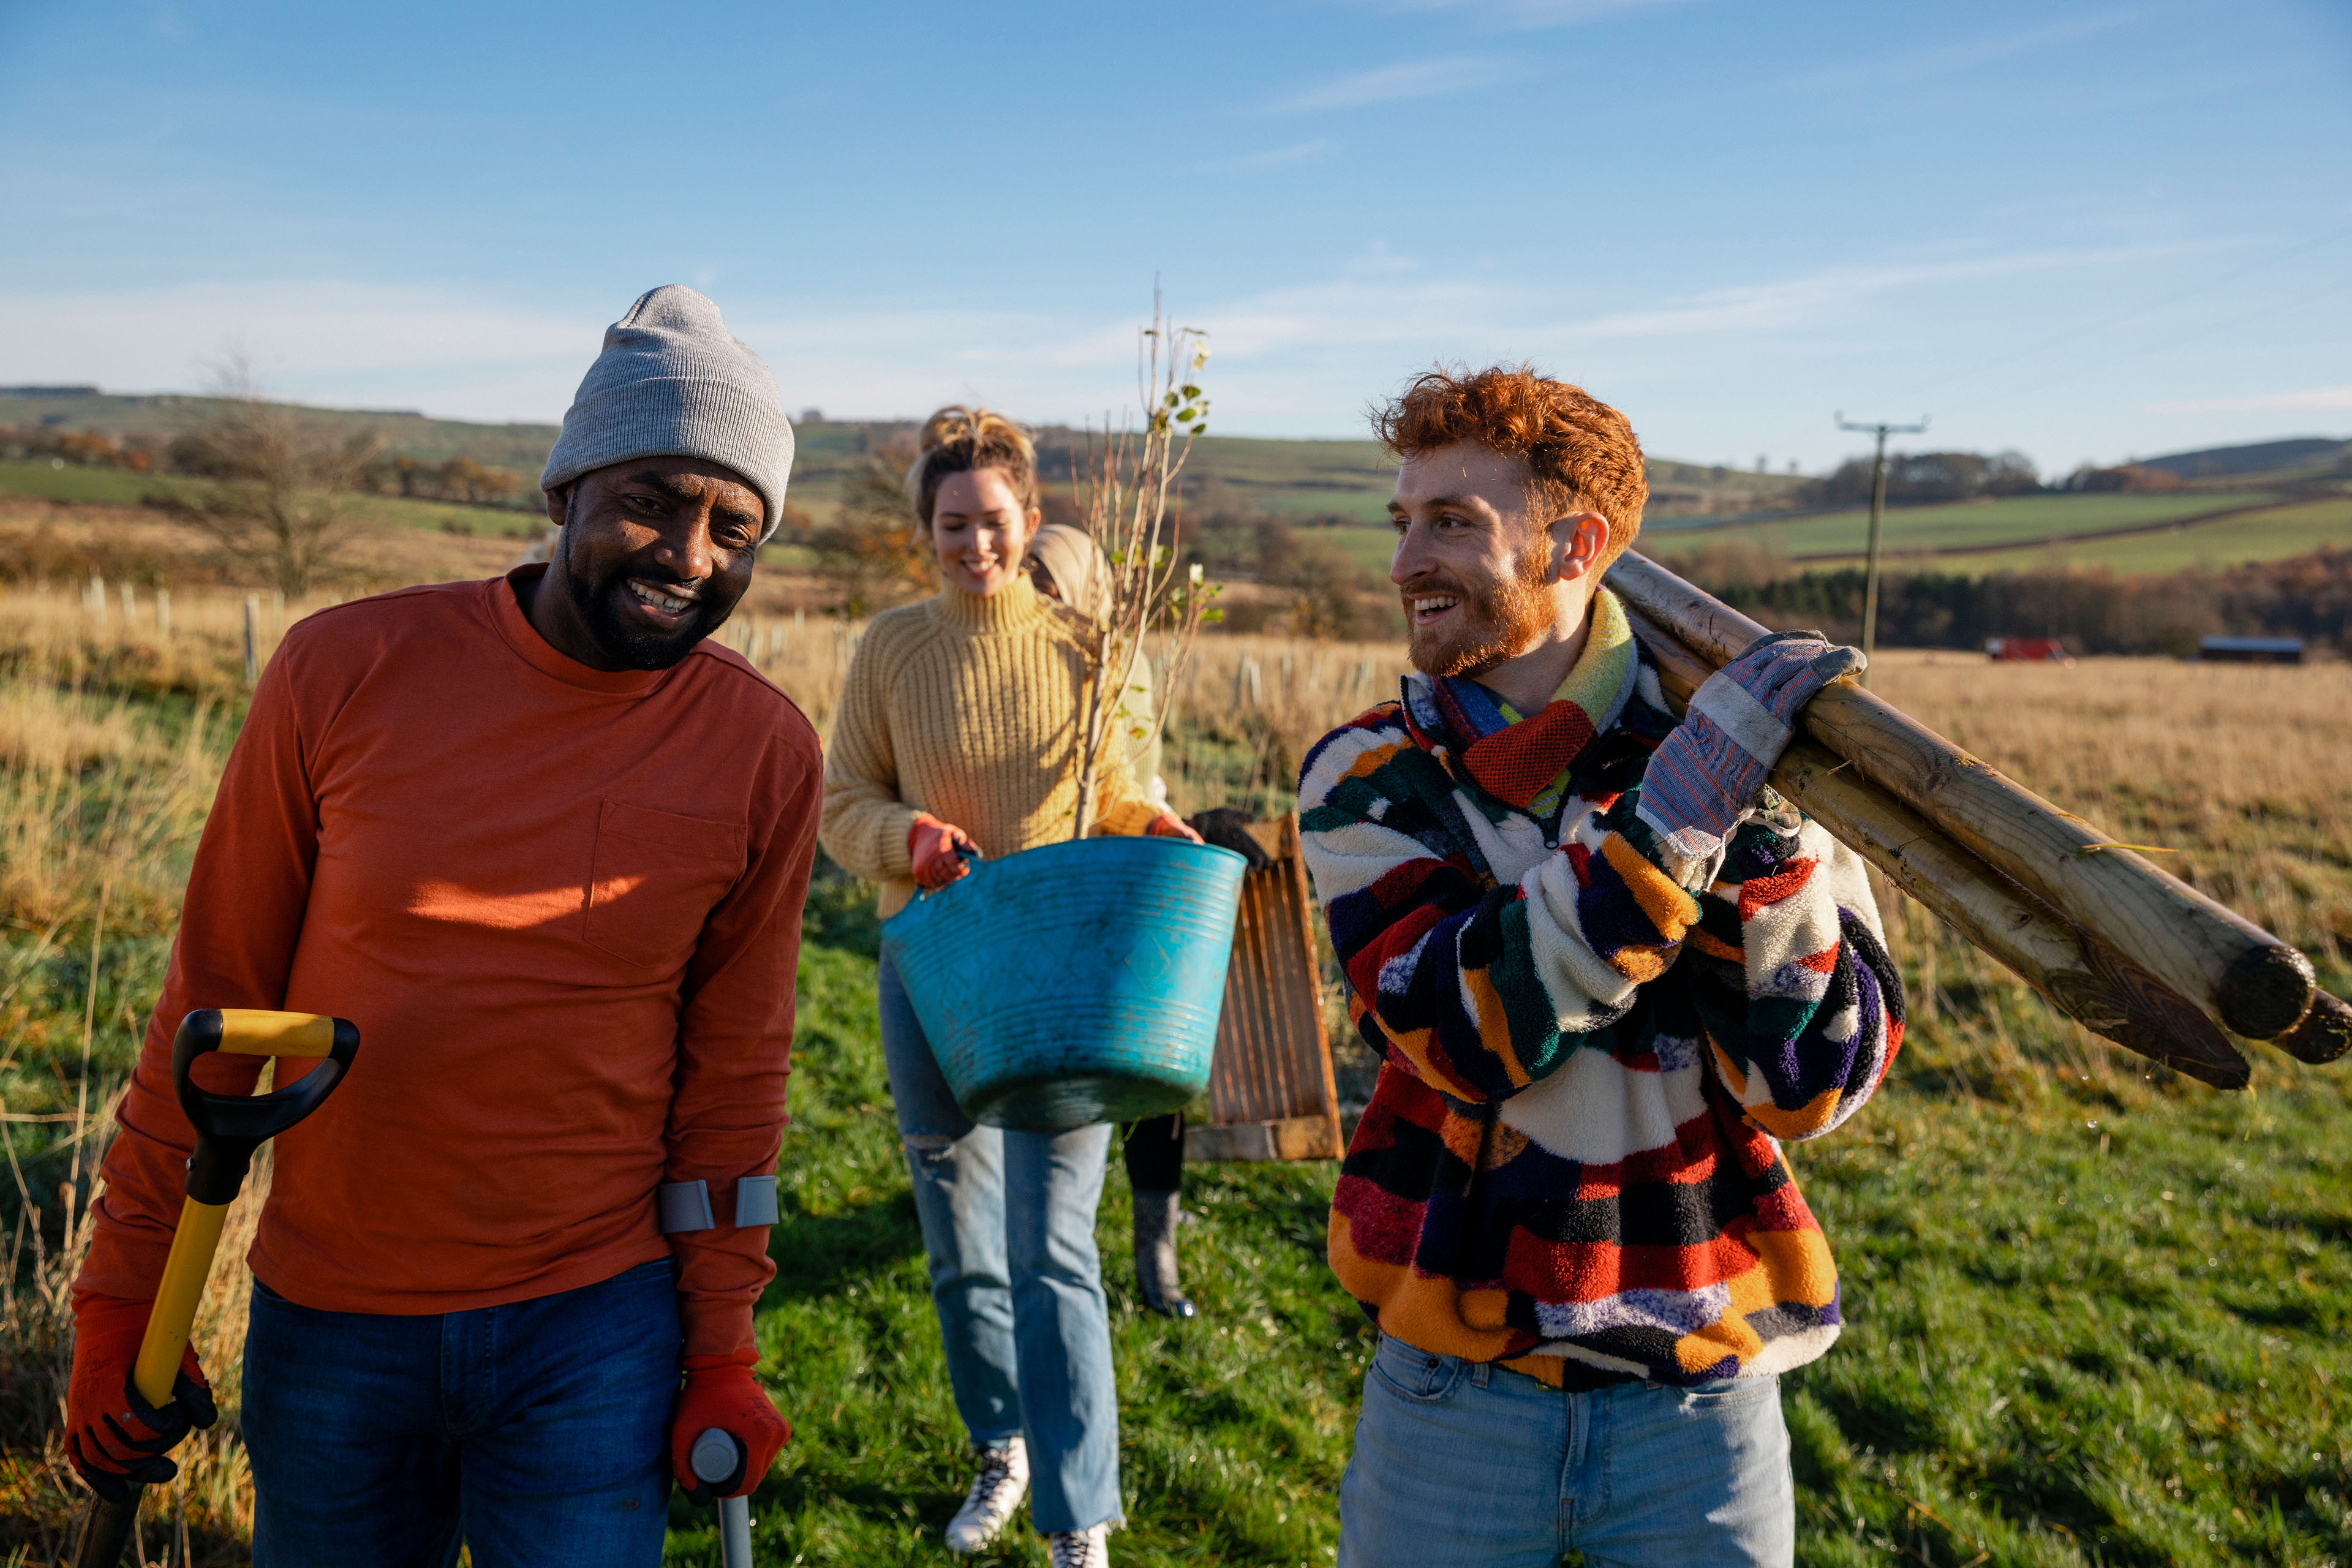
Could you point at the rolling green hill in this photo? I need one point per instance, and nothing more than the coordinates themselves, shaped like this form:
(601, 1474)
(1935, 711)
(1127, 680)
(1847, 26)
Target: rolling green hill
(521, 447)
(2273, 535)
(1963, 525)
(1341, 488)
(1297, 479)
(119, 486)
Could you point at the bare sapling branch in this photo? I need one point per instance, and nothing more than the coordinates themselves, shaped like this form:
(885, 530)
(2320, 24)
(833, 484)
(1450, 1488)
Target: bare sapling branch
(280, 503)
(1124, 496)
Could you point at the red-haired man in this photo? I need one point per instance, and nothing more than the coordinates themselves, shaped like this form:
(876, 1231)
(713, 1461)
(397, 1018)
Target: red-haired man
(1607, 969)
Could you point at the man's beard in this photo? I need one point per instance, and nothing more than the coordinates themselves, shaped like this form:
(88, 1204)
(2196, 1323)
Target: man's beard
(1489, 625)
(635, 647)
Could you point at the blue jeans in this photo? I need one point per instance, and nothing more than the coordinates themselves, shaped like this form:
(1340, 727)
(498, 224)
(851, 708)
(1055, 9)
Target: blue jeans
(1009, 1230)
(1460, 1463)
(538, 1432)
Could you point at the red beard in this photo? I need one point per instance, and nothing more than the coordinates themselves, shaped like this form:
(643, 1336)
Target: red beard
(1489, 625)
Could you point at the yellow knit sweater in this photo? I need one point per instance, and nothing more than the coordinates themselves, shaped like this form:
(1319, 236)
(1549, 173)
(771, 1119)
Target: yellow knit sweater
(966, 708)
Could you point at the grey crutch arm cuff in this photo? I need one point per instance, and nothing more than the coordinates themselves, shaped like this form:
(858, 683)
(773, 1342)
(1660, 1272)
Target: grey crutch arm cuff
(755, 1200)
(686, 1205)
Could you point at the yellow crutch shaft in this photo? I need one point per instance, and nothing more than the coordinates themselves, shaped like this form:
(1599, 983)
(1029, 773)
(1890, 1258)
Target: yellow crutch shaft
(183, 1287)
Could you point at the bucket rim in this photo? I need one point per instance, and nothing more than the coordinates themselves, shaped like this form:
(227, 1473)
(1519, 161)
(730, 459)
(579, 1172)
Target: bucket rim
(914, 914)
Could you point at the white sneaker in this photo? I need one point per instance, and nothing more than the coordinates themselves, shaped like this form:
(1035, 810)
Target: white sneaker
(1080, 1547)
(996, 1491)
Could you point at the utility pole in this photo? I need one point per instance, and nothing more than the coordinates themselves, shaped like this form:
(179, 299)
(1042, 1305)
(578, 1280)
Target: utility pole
(1877, 511)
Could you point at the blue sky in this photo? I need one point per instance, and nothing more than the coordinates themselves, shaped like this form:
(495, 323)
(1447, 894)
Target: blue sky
(2082, 230)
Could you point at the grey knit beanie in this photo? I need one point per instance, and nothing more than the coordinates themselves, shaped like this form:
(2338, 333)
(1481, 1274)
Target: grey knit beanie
(674, 383)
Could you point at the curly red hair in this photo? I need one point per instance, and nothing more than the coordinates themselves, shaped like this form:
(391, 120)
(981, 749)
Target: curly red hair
(1581, 454)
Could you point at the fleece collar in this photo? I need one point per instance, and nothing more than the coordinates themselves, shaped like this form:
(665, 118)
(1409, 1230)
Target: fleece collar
(1523, 760)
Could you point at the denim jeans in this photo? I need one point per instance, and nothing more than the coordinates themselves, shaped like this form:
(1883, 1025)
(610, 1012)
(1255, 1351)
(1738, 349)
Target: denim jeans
(1008, 1223)
(538, 1432)
(1460, 1463)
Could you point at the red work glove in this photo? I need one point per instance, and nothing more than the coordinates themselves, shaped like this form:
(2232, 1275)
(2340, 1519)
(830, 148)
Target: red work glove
(720, 1392)
(1168, 825)
(113, 1436)
(932, 845)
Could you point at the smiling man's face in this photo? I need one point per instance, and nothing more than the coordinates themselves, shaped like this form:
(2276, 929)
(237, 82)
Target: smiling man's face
(1478, 577)
(655, 552)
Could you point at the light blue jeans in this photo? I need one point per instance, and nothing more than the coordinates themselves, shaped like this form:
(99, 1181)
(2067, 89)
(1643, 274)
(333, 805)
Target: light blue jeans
(1461, 1463)
(1009, 1229)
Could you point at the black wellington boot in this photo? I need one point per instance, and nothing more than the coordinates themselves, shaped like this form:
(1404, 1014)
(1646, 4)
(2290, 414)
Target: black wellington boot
(1155, 1254)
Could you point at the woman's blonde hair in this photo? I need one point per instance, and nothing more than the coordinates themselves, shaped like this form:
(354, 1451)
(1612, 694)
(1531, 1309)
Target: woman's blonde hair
(957, 440)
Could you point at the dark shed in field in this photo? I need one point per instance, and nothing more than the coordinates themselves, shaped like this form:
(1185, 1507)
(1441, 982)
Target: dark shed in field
(2251, 650)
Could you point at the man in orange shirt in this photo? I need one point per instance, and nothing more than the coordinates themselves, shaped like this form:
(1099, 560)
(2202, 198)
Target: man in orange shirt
(547, 846)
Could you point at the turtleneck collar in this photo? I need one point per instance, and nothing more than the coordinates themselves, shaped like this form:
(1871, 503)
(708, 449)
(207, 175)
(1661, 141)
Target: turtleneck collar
(1010, 609)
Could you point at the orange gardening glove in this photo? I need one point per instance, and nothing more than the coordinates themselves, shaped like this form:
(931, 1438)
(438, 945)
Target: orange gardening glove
(1168, 825)
(113, 1436)
(938, 850)
(722, 1392)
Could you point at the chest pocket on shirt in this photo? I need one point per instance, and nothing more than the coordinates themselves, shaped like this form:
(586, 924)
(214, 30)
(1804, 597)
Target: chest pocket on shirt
(655, 879)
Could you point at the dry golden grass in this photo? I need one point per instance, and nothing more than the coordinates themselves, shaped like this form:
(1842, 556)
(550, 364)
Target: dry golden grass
(2238, 772)
(107, 753)
(206, 1512)
(146, 546)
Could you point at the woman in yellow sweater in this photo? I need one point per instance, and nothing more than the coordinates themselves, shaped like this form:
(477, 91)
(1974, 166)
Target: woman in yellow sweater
(955, 733)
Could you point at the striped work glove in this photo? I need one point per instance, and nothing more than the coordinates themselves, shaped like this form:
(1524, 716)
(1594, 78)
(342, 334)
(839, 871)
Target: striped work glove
(1711, 769)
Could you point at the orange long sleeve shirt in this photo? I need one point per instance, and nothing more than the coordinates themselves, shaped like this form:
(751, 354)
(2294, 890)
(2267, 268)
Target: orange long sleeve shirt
(562, 907)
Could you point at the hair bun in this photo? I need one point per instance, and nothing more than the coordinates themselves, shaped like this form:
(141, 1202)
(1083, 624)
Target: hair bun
(959, 438)
(979, 428)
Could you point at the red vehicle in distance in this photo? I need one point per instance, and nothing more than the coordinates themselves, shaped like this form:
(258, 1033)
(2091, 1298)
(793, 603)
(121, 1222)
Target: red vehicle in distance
(2027, 650)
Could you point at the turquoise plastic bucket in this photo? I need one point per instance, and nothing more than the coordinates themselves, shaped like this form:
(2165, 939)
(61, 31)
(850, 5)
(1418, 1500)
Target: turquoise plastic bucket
(1074, 983)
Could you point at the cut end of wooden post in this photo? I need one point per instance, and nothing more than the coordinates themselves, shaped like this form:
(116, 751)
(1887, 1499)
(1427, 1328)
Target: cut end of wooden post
(2325, 1034)
(2113, 996)
(2265, 990)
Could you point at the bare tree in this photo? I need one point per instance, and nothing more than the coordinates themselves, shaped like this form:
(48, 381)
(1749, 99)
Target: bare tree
(279, 503)
(872, 556)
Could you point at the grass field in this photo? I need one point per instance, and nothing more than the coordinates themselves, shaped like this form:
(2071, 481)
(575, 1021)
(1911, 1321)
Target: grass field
(72, 482)
(1920, 534)
(2098, 1313)
(119, 486)
(1287, 479)
(1962, 524)
(2266, 536)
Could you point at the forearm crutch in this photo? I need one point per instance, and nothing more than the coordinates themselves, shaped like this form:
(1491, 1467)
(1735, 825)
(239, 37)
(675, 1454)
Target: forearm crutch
(715, 1457)
(229, 1128)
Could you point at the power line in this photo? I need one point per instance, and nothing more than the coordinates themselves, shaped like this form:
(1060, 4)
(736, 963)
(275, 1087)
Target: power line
(1877, 509)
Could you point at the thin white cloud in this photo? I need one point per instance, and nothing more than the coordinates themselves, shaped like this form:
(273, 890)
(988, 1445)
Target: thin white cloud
(1282, 157)
(1398, 83)
(1789, 302)
(2318, 399)
(1528, 15)
(1963, 54)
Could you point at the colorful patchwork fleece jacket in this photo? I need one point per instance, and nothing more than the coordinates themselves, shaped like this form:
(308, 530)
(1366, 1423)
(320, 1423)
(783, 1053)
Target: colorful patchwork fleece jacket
(1572, 1154)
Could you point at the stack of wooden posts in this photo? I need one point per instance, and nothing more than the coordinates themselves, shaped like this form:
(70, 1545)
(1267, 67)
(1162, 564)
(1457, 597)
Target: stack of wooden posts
(2126, 951)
